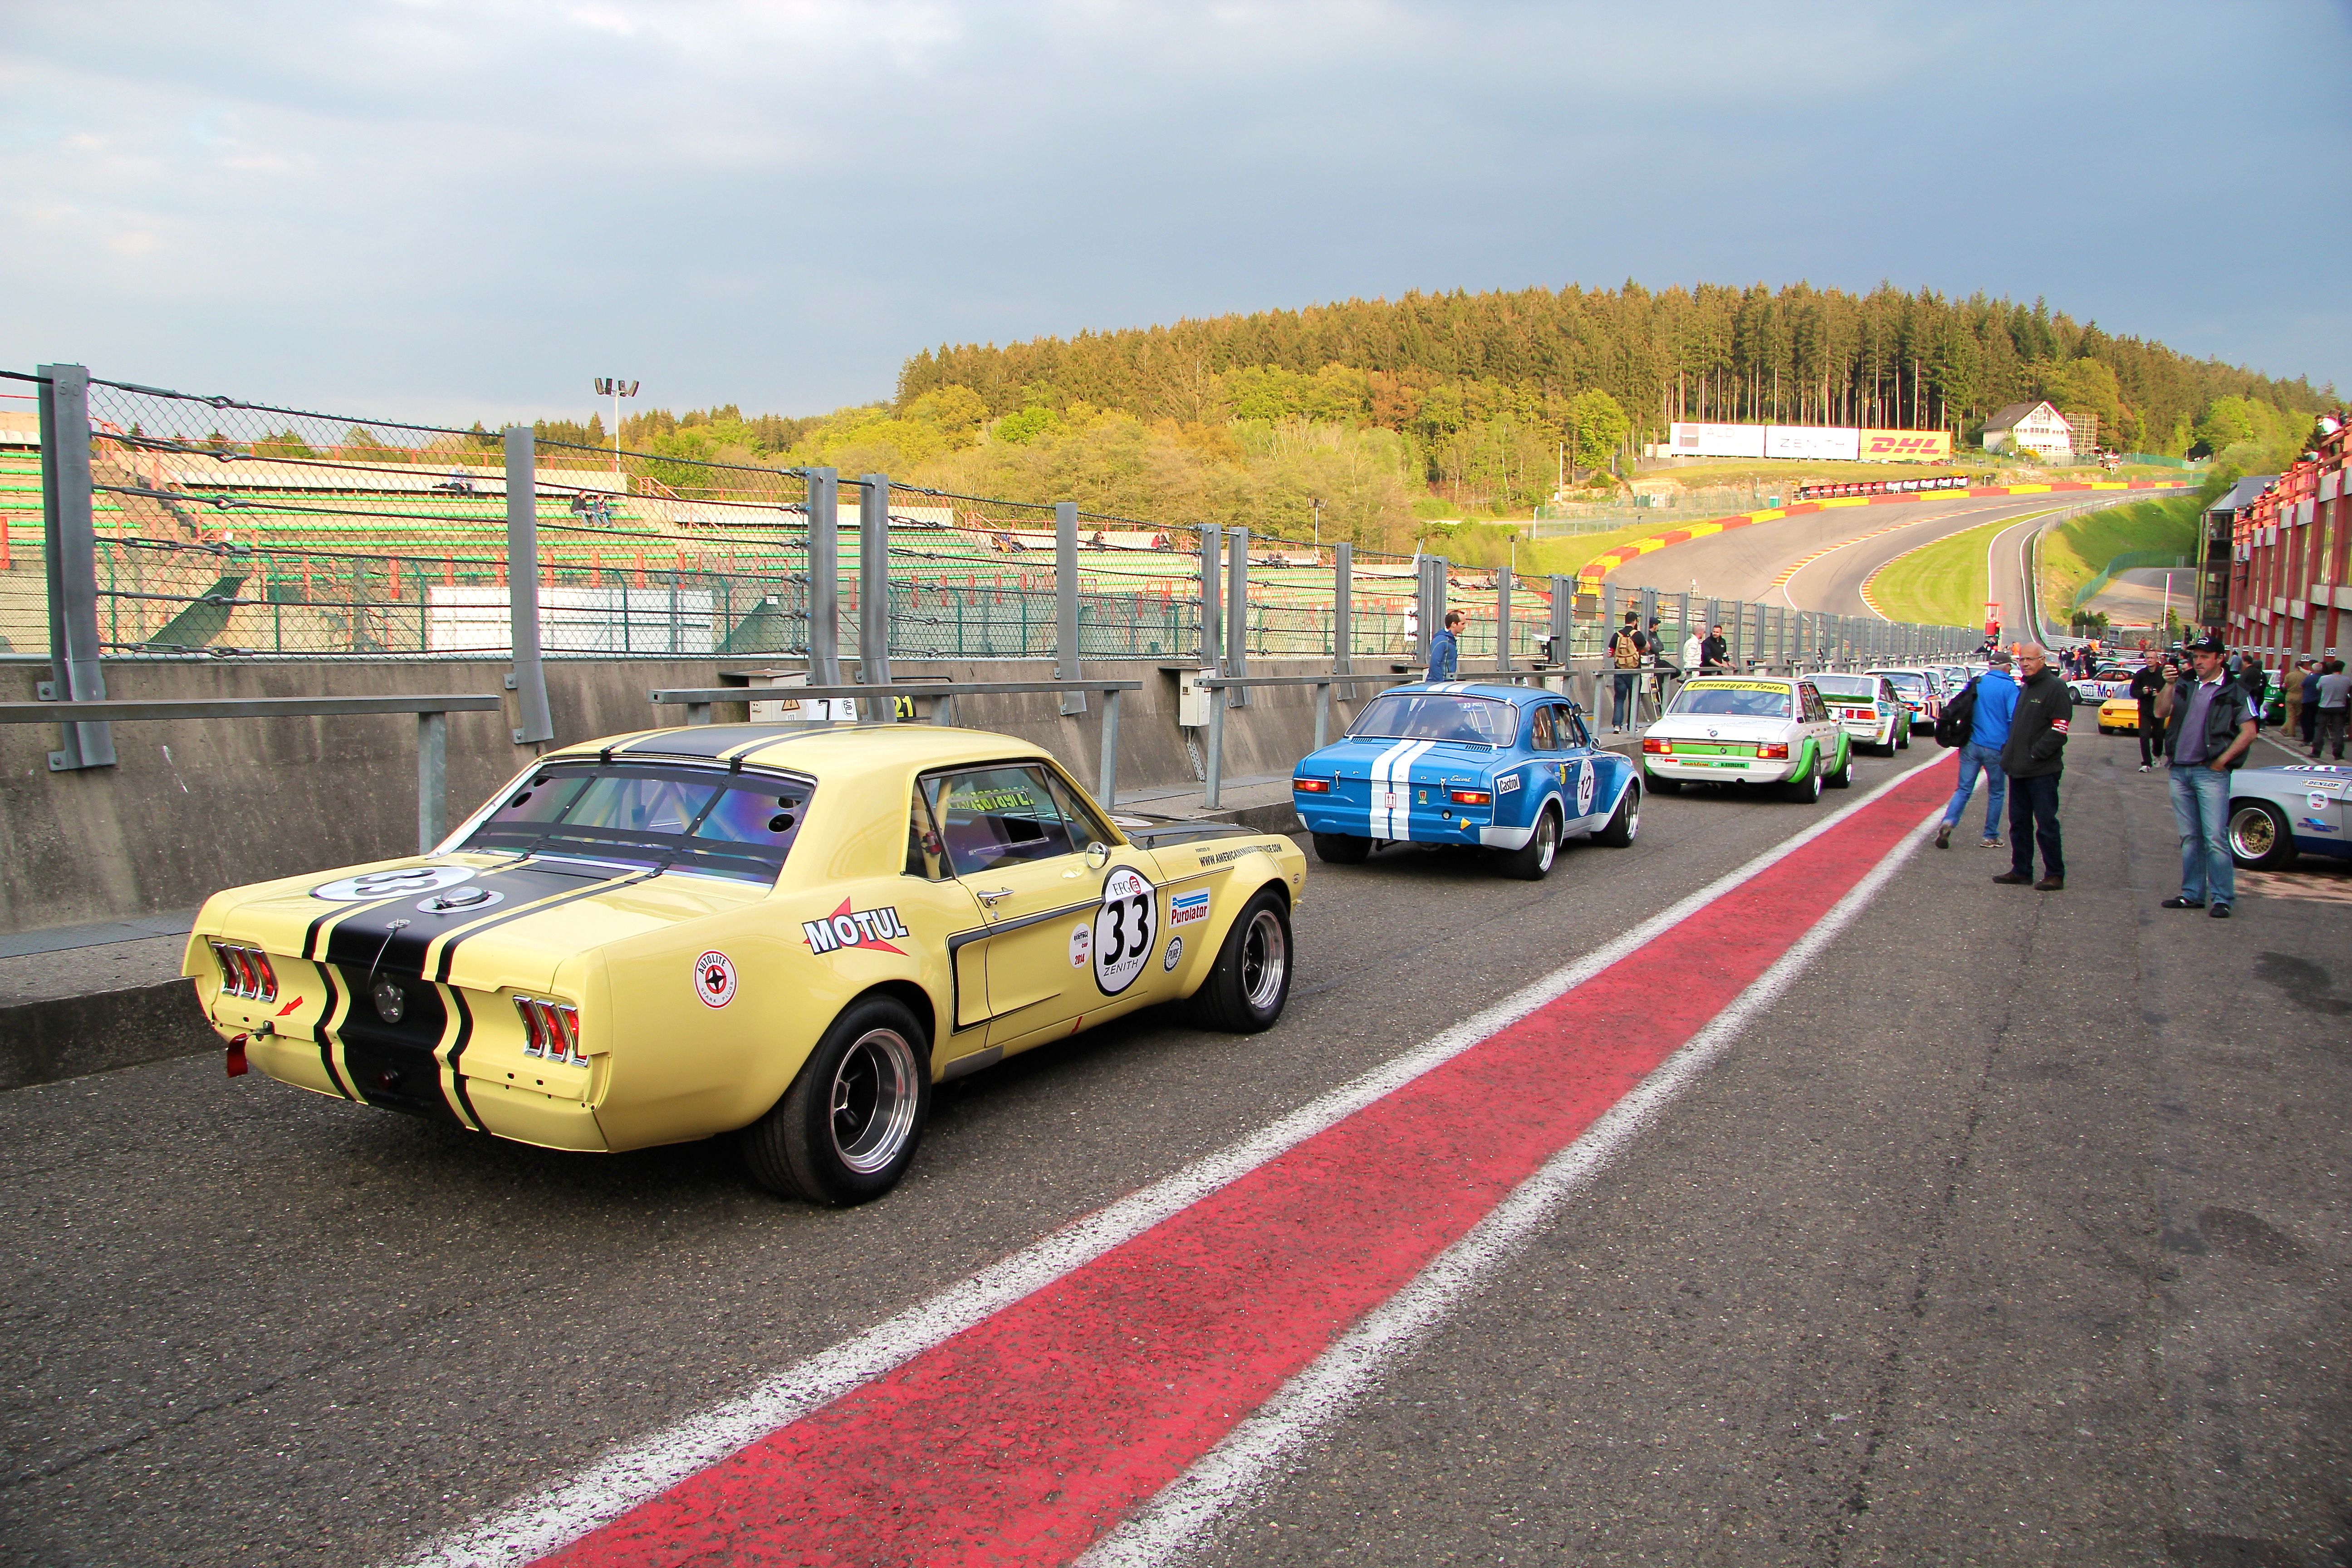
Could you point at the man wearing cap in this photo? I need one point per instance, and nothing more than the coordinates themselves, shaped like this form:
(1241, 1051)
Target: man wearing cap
(2212, 728)
(2033, 757)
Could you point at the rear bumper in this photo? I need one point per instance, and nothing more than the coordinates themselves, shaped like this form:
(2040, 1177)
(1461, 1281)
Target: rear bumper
(1719, 770)
(1425, 824)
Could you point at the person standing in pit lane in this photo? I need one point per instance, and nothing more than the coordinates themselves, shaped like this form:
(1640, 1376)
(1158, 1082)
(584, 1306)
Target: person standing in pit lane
(2335, 710)
(2257, 682)
(1716, 651)
(1996, 702)
(2147, 686)
(1626, 660)
(1446, 648)
(2302, 682)
(2033, 757)
(2212, 729)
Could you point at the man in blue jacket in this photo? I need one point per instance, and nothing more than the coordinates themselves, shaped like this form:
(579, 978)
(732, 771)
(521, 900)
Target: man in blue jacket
(1446, 648)
(1996, 692)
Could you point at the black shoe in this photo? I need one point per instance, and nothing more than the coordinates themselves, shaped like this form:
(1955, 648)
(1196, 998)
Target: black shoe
(2014, 879)
(2220, 911)
(2050, 885)
(1944, 837)
(2182, 904)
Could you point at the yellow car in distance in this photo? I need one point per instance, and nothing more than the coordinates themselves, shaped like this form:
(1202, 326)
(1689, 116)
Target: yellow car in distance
(784, 932)
(2119, 716)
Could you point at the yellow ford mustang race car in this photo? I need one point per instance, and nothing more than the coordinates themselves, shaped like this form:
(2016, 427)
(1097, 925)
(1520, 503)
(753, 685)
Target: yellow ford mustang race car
(785, 931)
(2119, 716)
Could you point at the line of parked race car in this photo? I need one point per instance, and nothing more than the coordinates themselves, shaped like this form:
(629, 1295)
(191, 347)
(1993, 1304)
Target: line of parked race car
(789, 933)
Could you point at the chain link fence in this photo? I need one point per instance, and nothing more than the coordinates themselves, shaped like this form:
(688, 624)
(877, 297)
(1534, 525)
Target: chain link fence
(225, 529)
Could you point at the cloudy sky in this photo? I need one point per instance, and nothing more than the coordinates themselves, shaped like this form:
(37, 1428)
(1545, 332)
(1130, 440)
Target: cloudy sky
(468, 210)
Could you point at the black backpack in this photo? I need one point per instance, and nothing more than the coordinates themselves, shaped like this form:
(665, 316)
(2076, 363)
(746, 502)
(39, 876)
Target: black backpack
(1959, 718)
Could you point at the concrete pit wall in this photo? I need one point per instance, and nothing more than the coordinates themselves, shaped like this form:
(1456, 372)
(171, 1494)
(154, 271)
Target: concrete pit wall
(190, 808)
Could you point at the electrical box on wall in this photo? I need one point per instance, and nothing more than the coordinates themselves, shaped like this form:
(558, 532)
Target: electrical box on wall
(1192, 699)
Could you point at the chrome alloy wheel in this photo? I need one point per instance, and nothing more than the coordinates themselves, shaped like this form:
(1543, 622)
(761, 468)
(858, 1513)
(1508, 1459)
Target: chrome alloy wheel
(1633, 819)
(1547, 841)
(873, 1100)
(2252, 832)
(1265, 959)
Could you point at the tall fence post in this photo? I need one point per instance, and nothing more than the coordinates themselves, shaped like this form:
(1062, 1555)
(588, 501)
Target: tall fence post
(874, 591)
(1212, 598)
(1237, 613)
(825, 576)
(1343, 613)
(432, 777)
(1503, 621)
(1065, 603)
(528, 679)
(1431, 610)
(1563, 619)
(70, 541)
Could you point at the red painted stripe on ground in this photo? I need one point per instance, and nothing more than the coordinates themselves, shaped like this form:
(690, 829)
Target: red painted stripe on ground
(1024, 1439)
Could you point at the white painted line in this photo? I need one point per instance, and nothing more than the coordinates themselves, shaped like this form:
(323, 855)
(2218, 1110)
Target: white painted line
(1230, 1476)
(634, 1472)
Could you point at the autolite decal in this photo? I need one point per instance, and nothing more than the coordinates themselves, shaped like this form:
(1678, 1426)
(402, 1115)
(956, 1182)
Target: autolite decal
(1186, 908)
(847, 928)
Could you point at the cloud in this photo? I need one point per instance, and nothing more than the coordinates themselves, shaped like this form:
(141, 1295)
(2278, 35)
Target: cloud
(431, 207)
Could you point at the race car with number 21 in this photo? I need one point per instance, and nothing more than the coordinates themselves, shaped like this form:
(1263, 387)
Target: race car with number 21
(786, 932)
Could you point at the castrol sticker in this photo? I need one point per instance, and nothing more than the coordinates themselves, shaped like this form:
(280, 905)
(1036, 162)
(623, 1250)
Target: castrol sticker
(714, 979)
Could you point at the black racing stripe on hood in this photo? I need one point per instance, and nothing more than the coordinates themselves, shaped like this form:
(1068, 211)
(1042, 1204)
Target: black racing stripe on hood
(366, 937)
(449, 948)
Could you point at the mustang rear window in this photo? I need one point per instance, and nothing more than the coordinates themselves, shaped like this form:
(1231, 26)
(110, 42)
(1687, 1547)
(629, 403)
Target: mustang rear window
(1437, 716)
(1746, 700)
(652, 815)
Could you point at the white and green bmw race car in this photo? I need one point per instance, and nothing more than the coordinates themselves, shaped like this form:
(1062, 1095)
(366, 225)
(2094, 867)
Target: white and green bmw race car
(1749, 733)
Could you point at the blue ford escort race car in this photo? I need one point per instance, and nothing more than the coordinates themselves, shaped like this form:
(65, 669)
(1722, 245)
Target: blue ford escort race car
(2277, 813)
(1506, 768)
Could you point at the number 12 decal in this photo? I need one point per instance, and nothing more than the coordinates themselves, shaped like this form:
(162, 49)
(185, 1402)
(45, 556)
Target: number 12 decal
(1123, 930)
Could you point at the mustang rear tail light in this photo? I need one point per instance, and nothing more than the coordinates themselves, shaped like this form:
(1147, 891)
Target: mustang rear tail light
(246, 971)
(1471, 797)
(1657, 748)
(1311, 787)
(551, 1029)
(1772, 749)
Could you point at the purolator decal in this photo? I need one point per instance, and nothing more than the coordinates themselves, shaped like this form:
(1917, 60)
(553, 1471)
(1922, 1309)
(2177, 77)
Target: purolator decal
(1123, 930)
(1185, 908)
(846, 928)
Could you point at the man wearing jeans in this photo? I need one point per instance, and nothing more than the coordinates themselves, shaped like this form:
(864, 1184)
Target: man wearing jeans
(1996, 692)
(2212, 728)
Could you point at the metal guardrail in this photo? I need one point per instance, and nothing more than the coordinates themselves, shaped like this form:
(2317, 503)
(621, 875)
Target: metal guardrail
(697, 701)
(432, 729)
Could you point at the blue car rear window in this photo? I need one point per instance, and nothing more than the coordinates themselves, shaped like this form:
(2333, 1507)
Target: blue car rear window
(1437, 716)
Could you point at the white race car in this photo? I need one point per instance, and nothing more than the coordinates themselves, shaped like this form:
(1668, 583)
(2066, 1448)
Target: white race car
(1868, 708)
(1751, 731)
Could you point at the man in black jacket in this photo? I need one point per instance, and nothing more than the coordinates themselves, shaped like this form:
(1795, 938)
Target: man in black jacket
(2212, 728)
(2033, 757)
(2147, 686)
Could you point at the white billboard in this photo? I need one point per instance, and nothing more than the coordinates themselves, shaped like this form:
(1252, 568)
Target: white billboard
(1697, 440)
(572, 620)
(1816, 441)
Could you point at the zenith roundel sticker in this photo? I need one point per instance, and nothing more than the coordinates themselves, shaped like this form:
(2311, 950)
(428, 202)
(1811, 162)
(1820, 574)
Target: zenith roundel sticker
(1124, 928)
(407, 881)
(714, 979)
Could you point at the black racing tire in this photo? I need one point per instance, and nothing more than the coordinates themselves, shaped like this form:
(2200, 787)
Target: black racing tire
(1658, 785)
(1533, 862)
(1806, 790)
(1844, 777)
(849, 1128)
(1902, 740)
(1341, 848)
(1625, 822)
(2258, 836)
(1250, 983)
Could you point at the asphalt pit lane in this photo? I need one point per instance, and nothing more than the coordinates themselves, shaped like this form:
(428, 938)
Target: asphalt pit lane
(2248, 1239)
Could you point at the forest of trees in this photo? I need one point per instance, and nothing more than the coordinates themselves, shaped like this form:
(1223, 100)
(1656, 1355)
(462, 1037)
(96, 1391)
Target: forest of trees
(1377, 409)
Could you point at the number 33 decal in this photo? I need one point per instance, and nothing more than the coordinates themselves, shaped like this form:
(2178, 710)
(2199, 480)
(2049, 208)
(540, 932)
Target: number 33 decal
(1123, 930)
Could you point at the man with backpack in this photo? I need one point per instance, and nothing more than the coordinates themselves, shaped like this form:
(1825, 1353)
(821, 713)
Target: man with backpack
(1625, 651)
(1977, 723)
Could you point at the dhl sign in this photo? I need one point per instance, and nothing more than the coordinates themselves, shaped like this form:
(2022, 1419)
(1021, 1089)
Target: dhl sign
(1905, 445)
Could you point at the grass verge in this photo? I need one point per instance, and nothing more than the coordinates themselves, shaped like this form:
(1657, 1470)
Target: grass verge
(2076, 551)
(1938, 585)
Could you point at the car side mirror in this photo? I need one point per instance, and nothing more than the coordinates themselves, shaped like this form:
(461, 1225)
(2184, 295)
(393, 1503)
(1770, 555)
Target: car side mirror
(1097, 854)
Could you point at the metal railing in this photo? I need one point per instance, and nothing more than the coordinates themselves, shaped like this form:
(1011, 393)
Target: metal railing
(884, 697)
(431, 730)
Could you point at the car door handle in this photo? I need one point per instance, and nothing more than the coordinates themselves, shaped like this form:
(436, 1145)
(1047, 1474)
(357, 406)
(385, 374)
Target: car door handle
(988, 896)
